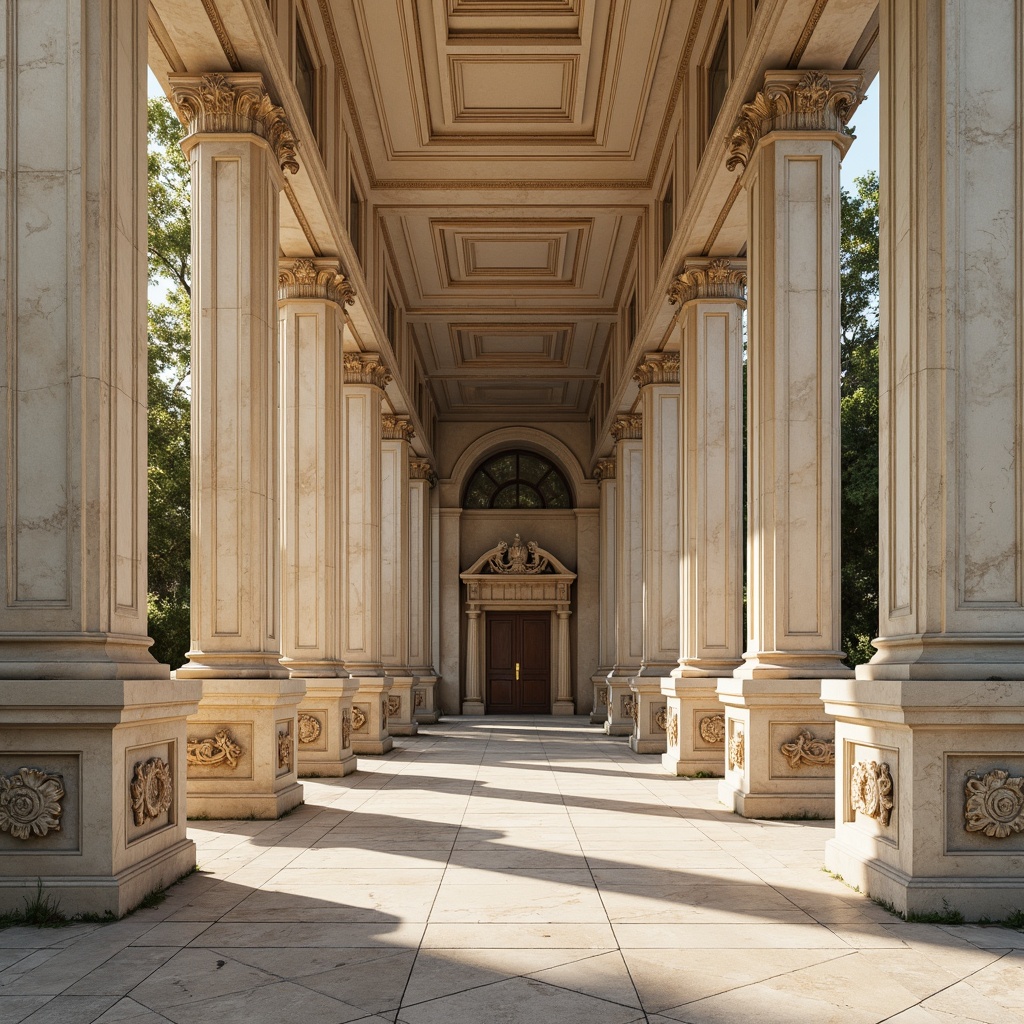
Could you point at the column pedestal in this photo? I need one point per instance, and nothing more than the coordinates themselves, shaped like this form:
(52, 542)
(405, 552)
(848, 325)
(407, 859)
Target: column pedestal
(401, 721)
(650, 719)
(767, 724)
(241, 749)
(370, 716)
(600, 713)
(620, 706)
(695, 731)
(325, 728)
(424, 701)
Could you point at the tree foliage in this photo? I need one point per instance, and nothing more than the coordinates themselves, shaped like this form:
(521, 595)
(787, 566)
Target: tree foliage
(170, 353)
(859, 416)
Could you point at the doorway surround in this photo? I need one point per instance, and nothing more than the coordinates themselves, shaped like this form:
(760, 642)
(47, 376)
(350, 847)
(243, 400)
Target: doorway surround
(518, 577)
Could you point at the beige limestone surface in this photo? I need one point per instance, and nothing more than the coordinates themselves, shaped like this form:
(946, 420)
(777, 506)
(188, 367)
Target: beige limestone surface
(489, 870)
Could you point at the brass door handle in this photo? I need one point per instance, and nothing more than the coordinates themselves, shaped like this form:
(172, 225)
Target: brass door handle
(517, 670)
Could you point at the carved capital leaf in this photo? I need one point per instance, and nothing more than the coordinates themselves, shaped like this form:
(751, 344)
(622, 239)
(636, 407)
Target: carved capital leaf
(658, 370)
(314, 279)
(363, 370)
(396, 428)
(709, 279)
(604, 470)
(421, 469)
(628, 428)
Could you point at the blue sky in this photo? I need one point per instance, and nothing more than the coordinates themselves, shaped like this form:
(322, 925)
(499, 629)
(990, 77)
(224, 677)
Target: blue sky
(863, 155)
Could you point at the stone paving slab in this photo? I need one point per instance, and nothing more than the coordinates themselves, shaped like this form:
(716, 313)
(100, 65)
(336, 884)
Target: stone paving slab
(511, 871)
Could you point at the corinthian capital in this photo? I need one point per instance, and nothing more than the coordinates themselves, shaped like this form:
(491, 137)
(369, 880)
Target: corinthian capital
(808, 101)
(314, 279)
(363, 370)
(604, 470)
(709, 279)
(421, 469)
(396, 428)
(661, 369)
(234, 103)
(628, 428)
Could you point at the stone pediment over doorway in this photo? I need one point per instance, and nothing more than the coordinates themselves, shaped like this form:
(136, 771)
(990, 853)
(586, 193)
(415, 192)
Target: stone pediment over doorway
(518, 573)
(517, 559)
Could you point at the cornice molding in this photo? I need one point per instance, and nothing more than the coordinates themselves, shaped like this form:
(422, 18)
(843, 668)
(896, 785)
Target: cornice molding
(702, 278)
(362, 370)
(657, 370)
(237, 102)
(319, 278)
(604, 470)
(628, 428)
(396, 428)
(802, 101)
(421, 469)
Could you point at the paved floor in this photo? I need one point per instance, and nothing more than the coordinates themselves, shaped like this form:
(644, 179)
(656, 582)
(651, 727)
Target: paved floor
(511, 870)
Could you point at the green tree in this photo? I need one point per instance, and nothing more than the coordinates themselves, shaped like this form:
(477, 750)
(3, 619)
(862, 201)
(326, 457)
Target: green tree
(170, 353)
(858, 265)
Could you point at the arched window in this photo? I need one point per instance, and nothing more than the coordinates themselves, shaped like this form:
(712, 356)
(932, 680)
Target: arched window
(517, 480)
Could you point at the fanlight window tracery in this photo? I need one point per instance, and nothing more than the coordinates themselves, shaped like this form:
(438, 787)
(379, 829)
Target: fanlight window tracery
(517, 479)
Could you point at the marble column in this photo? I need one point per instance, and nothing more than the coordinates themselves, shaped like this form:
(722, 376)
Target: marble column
(473, 702)
(658, 379)
(930, 734)
(711, 297)
(92, 730)
(422, 479)
(604, 473)
(395, 600)
(238, 145)
(365, 380)
(311, 300)
(629, 589)
(563, 703)
(790, 140)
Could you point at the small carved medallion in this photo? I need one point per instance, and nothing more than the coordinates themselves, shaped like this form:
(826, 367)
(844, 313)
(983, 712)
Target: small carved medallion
(284, 750)
(419, 699)
(394, 706)
(661, 718)
(346, 730)
(30, 802)
(152, 789)
(602, 697)
(806, 750)
(871, 790)
(214, 751)
(712, 729)
(629, 708)
(994, 804)
(737, 749)
(673, 728)
(358, 719)
(309, 728)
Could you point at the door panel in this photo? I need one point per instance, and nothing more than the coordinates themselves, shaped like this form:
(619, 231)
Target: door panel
(518, 640)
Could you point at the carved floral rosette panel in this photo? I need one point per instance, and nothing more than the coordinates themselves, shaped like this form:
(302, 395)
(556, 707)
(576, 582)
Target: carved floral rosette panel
(214, 751)
(394, 706)
(30, 803)
(737, 749)
(358, 719)
(660, 716)
(151, 790)
(284, 750)
(712, 729)
(807, 750)
(419, 698)
(310, 728)
(994, 803)
(672, 729)
(602, 696)
(871, 790)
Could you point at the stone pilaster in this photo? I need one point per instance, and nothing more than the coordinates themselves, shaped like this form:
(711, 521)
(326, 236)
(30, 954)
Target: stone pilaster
(790, 140)
(86, 714)
(422, 479)
(396, 433)
(711, 294)
(311, 298)
(365, 380)
(941, 704)
(629, 590)
(604, 473)
(658, 379)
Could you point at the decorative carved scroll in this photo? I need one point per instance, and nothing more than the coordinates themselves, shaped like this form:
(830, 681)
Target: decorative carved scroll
(394, 706)
(152, 789)
(871, 790)
(234, 103)
(284, 750)
(658, 370)
(709, 279)
(737, 749)
(30, 802)
(309, 728)
(712, 729)
(518, 558)
(806, 750)
(314, 279)
(661, 719)
(214, 751)
(361, 370)
(994, 803)
(358, 719)
(672, 731)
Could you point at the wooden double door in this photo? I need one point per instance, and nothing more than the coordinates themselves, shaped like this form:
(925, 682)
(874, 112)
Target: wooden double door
(518, 663)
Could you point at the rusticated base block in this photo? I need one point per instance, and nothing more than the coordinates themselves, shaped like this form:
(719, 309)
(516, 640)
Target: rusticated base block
(95, 773)
(696, 727)
(600, 713)
(563, 707)
(779, 754)
(928, 802)
(650, 721)
(370, 716)
(472, 707)
(399, 703)
(424, 699)
(325, 728)
(242, 760)
(620, 706)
